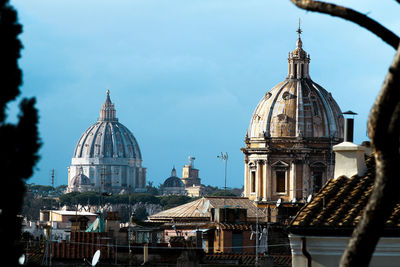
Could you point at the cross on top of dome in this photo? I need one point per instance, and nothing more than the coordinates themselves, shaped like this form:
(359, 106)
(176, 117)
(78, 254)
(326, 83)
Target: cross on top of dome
(299, 30)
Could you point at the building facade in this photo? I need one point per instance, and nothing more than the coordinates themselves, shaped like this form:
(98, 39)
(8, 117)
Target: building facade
(107, 157)
(288, 146)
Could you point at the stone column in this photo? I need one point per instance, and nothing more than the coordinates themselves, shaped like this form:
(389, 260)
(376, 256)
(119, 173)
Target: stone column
(265, 181)
(292, 180)
(246, 179)
(260, 168)
(269, 180)
(257, 179)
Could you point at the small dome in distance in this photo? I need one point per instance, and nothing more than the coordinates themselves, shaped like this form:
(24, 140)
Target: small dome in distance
(80, 179)
(173, 181)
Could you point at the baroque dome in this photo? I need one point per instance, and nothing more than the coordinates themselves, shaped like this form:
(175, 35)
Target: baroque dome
(297, 107)
(107, 138)
(173, 181)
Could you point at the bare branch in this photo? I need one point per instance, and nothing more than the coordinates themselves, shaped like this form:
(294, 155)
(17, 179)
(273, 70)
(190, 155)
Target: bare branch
(349, 14)
(384, 131)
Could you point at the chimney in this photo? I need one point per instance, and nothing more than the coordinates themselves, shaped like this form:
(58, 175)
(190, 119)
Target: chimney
(349, 157)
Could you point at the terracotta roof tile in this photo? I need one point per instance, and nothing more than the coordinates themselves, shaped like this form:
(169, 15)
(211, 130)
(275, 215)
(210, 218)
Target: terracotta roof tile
(340, 204)
(236, 226)
(245, 259)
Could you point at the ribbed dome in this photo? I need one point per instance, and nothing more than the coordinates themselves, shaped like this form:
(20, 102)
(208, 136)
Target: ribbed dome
(297, 107)
(173, 181)
(107, 138)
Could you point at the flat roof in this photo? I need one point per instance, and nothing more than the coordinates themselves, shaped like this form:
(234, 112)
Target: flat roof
(72, 212)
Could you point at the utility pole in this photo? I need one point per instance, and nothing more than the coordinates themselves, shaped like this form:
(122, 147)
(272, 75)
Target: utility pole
(256, 202)
(129, 225)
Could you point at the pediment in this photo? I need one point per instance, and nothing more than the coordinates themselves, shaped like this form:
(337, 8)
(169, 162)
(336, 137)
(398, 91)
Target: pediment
(280, 164)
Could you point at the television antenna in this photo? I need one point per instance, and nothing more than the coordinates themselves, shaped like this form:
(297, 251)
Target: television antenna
(224, 157)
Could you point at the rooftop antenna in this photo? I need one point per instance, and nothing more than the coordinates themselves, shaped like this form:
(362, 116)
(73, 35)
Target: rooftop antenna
(224, 157)
(52, 177)
(52, 185)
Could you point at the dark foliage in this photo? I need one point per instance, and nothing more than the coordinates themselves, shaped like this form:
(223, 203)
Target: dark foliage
(19, 151)
(94, 198)
(140, 214)
(223, 193)
(151, 189)
(168, 202)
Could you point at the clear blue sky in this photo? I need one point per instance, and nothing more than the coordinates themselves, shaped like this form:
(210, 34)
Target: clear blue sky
(185, 76)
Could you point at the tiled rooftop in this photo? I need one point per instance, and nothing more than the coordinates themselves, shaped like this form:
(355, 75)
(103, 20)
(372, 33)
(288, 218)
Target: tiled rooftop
(234, 226)
(245, 259)
(201, 209)
(340, 204)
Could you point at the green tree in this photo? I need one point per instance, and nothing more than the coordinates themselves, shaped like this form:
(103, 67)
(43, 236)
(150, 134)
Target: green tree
(168, 202)
(152, 189)
(20, 151)
(141, 213)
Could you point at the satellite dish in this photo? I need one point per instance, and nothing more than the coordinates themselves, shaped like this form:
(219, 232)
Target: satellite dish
(309, 198)
(96, 258)
(21, 259)
(278, 203)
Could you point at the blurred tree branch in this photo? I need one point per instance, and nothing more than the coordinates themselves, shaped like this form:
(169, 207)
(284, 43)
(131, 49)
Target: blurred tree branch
(384, 131)
(354, 16)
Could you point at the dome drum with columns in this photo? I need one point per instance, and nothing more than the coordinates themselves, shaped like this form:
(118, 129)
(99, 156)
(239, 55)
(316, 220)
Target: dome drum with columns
(288, 146)
(109, 155)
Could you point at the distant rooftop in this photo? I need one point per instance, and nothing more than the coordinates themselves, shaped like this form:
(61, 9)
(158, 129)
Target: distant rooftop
(200, 209)
(71, 212)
